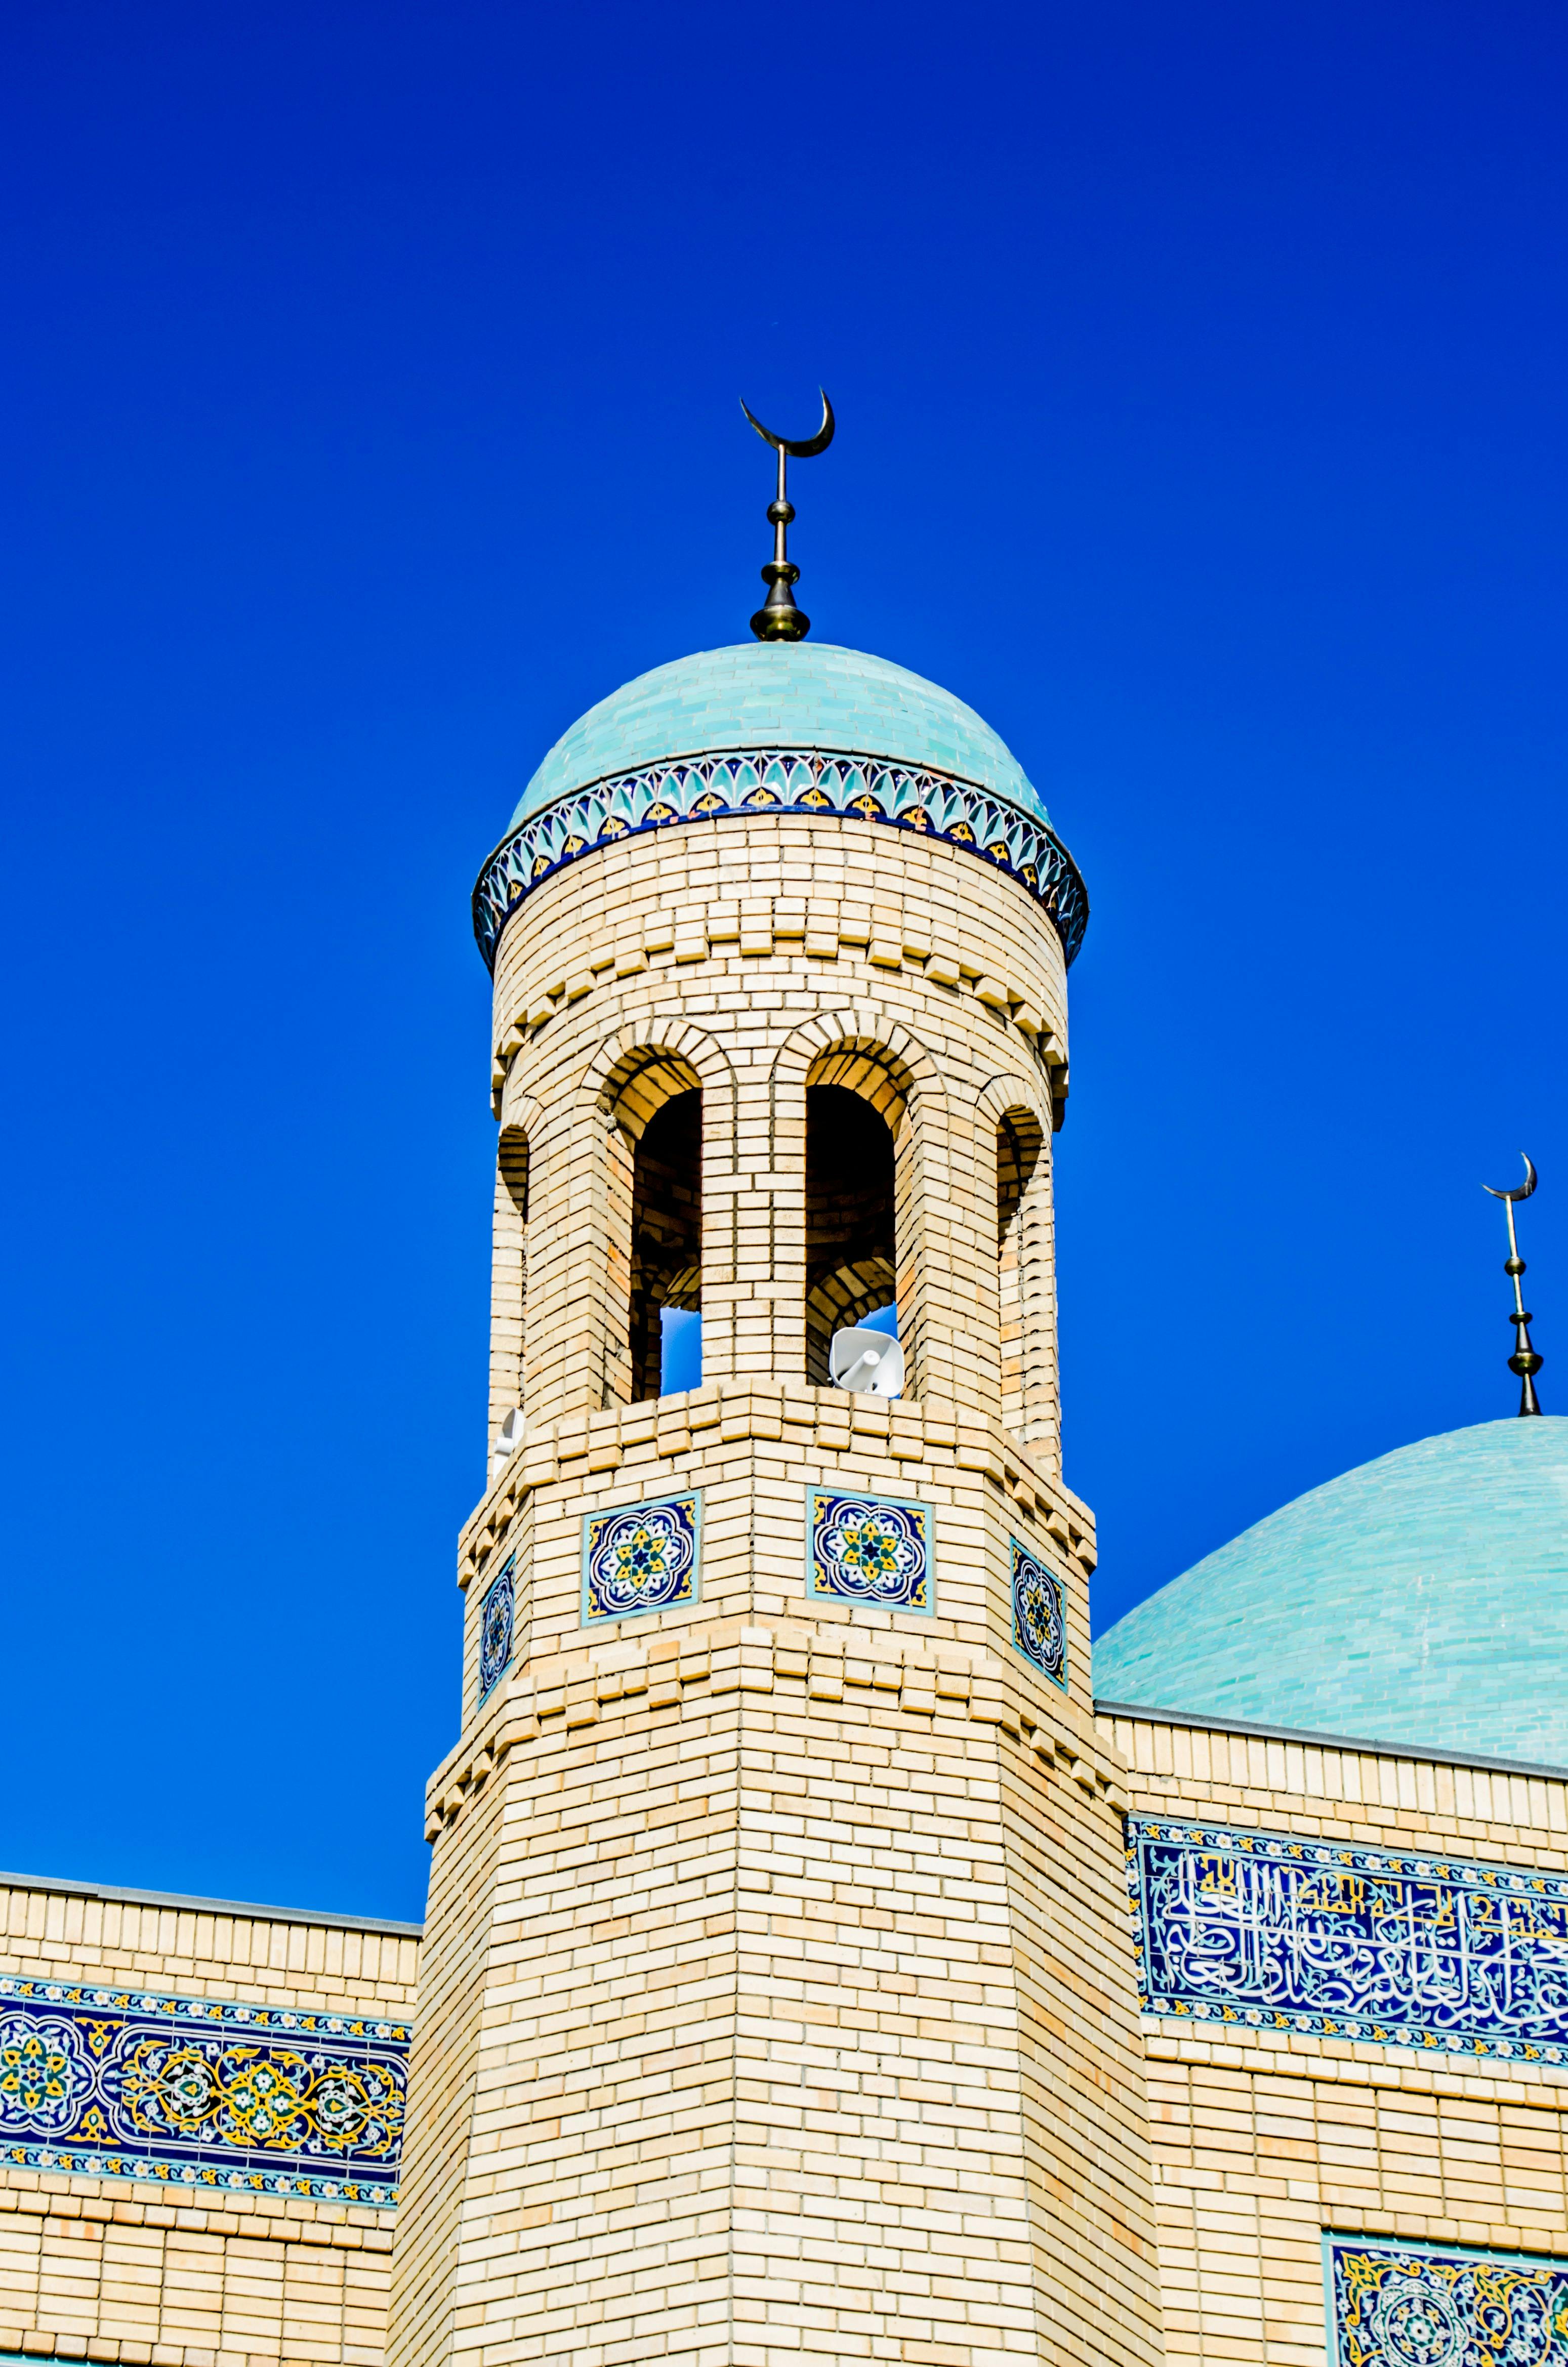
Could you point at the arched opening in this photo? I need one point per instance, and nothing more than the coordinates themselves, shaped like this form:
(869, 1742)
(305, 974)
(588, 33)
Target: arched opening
(851, 1216)
(508, 1276)
(666, 1248)
(1021, 1147)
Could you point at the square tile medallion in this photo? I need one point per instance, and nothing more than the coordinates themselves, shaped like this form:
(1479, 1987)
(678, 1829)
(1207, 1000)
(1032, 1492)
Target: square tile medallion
(640, 1558)
(496, 1620)
(1397, 2305)
(869, 1549)
(1040, 1628)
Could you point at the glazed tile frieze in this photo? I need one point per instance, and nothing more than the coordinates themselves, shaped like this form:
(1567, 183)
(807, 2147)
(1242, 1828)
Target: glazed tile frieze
(1395, 2304)
(196, 2092)
(1279, 1932)
(813, 782)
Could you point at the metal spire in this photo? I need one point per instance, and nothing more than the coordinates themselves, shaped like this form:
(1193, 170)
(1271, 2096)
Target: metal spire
(1524, 1360)
(778, 620)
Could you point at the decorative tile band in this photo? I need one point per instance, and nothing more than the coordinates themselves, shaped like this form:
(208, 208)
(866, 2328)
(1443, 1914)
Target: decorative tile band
(822, 784)
(496, 1616)
(195, 2092)
(640, 1558)
(1039, 1626)
(869, 1549)
(1392, 2305)
(1274, 1931)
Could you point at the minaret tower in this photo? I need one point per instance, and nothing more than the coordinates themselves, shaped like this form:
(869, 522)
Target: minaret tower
(777, 2002)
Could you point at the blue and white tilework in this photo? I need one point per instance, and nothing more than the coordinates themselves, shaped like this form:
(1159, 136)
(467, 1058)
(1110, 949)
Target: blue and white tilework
(842, 785)
(1040, 1628)
(640, 1558)
(497, 1614)
(1275, 1931)
(869, 1549)
(194, 2092)
(1394, 2304)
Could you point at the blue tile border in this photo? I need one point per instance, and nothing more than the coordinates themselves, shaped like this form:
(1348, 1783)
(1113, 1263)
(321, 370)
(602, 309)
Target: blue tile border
(498, 1616)
(1038, 1614)
(871, 1551)
(824, 785)
(1396, 2305)
(639, 1559)
(201, 2092)
(1258, 1931)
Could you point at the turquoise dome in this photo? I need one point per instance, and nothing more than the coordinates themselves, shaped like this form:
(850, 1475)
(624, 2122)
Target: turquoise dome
(790, 694)
(1421, 1599)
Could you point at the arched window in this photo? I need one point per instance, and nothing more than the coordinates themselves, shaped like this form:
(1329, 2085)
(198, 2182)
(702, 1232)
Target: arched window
(855, 1119)
(666, 1236)
(655, 1244)
(1021, 1274)
(508, 1276)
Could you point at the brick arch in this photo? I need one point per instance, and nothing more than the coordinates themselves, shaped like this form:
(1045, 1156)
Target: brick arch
(875, 1256)
(1017, 1121)
(636, 1070)
(657, 1240)
(508, 1259)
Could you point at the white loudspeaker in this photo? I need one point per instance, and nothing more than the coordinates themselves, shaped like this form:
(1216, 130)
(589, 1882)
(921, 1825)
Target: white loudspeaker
(868, 1361)
(510, 1437)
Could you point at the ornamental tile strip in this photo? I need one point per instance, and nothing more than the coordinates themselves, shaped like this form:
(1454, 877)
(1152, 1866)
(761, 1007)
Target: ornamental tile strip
(641, 1558)
(869, 1549)
(828, 785)
(1275, 1931)
(196, 2092)
(1393, 2304)
(496, 1624)
(1039, 1626)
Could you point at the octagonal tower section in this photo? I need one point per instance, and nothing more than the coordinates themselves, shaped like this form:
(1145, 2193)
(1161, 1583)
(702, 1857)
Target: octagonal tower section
(777, 1996)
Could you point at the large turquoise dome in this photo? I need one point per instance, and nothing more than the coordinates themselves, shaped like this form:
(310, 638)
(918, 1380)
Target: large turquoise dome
(789, 695)
(1421, 1599)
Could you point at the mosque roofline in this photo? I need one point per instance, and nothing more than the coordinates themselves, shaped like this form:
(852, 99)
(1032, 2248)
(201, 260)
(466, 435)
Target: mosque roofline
(1429, 1754)
(183, 1903)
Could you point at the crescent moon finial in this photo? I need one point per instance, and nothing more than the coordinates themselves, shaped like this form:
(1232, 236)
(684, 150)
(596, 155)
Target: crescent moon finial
(809, 446)
(1520, 1191)
(1524, 1361)
(778, 620)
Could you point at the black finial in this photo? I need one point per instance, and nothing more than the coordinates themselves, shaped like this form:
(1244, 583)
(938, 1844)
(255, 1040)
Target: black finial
(1524, 1360)
(778, 620)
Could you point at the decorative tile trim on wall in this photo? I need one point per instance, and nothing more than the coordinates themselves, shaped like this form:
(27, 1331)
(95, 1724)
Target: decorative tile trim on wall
(496, 1616)
(639, 1558)
(1275, 1931)
(1394, 2304)
(825, 784)
(869, 1549)
(195, 2092)
(1039, 1625)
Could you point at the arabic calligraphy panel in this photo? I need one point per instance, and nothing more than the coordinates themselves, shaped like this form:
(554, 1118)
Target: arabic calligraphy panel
(1282, 1932)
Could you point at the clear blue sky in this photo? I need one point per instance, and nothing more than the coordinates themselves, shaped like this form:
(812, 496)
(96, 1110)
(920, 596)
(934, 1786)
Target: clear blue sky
(370, 409)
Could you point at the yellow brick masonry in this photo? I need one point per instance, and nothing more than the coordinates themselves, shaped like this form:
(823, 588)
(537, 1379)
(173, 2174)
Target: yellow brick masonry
(742, 954)
(1261, 2144)
(776, 2000)
(120, 2269)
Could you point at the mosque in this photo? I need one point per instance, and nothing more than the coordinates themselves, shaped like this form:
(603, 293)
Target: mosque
(827, 1959)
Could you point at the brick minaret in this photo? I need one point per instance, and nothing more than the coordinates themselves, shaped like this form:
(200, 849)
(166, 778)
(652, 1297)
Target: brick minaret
(777, 1998)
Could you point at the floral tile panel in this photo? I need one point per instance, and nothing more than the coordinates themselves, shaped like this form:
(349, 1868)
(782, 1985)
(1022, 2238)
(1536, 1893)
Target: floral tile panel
(870, 1550)
(640, 1558)
(1396, 2305)
(200, 2093)
(1040, 1627)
